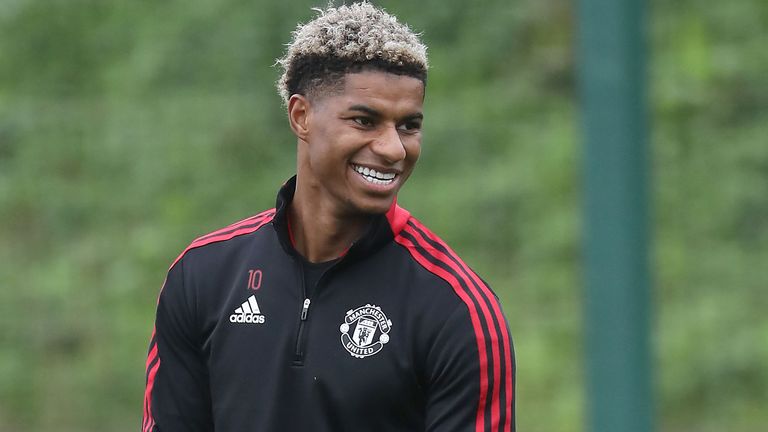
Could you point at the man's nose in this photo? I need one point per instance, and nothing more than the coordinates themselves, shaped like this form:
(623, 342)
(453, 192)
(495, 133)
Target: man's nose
(389, 145)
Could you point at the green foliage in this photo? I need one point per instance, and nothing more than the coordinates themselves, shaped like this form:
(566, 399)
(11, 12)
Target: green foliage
(127, 128)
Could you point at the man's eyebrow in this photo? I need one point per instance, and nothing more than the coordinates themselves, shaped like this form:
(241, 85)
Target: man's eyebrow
(414, 116)
(374, 113)
(366, 109)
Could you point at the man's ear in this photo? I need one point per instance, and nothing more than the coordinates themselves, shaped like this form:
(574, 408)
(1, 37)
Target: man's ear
(298, 115)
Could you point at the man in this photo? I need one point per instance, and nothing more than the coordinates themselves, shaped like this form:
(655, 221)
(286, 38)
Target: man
(337, 310)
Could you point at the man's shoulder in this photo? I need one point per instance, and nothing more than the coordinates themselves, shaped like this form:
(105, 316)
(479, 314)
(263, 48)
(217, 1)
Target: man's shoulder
(229, 233)
(424, 244)
(433, 254)
(466, 305)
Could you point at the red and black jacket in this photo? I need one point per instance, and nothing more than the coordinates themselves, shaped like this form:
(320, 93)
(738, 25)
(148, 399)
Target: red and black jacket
(398, 335)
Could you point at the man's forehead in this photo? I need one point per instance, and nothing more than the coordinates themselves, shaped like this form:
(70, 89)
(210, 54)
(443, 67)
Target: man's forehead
(382, 90)
(367, 78)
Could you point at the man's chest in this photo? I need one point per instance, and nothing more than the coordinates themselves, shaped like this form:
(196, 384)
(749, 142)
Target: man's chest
(353, 343)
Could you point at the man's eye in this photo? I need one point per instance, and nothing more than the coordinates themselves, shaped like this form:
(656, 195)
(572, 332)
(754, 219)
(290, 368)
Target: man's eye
(410, 126)
(363, 121)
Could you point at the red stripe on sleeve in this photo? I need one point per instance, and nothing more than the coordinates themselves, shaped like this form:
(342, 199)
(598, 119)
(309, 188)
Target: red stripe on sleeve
(509, 392)
(148, 394)
(226, 234)
(440, 256)
(246, 221)
(479, 336)
(153, 354)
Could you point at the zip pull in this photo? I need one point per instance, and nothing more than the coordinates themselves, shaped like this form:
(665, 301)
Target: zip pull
(305, 309)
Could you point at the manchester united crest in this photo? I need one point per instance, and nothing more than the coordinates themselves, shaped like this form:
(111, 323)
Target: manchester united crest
(365, 331)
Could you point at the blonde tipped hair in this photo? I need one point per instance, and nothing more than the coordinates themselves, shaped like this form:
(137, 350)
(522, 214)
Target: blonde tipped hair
(347, 39)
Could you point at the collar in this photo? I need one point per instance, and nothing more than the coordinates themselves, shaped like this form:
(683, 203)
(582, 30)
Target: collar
(382, 229)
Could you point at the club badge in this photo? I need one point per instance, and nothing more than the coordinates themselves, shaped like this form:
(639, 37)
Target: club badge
(365, 331)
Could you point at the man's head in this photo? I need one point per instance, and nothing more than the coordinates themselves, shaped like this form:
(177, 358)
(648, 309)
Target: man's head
(353, 84)
(348, 39)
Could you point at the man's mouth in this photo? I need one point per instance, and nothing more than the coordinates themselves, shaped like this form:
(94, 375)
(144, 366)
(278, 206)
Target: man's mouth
(373, 176)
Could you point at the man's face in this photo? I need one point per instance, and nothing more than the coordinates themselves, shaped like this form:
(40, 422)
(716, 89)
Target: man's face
(362, 143)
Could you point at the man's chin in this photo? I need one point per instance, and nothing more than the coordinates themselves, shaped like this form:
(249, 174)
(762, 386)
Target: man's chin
(372, 207)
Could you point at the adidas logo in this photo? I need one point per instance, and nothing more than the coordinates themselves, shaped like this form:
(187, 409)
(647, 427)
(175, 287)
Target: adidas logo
(248, 312)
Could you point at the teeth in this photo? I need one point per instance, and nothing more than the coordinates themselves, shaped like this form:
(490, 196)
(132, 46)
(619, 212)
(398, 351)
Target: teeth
(374, 176)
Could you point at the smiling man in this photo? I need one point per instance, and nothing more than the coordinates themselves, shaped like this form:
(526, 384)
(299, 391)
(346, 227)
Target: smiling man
(336, 310)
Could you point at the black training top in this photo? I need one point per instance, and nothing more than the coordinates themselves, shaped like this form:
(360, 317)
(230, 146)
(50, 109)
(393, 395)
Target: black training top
(397, 335)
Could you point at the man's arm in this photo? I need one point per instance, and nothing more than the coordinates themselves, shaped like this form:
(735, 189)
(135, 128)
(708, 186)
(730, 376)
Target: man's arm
(471, 375)
(177, 396)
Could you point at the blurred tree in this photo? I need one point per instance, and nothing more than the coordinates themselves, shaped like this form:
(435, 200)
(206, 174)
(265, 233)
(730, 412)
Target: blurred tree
(127, 128)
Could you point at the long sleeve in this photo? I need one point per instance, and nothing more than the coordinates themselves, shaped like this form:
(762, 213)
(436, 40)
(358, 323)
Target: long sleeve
(471, 375)
(177, 396)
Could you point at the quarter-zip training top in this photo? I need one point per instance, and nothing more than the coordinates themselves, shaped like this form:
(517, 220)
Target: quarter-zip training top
(399, 334)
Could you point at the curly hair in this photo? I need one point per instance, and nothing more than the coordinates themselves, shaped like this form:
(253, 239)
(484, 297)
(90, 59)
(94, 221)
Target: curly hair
(348, 39)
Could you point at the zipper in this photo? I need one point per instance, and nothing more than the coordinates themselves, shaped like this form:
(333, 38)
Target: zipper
(305, 309)
(298, 354)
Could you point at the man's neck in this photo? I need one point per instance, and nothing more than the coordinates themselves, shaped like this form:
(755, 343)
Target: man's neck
(318, 233)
